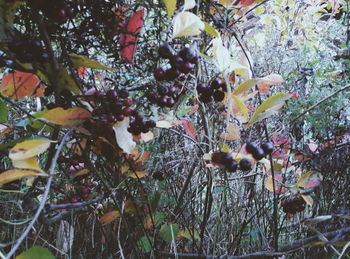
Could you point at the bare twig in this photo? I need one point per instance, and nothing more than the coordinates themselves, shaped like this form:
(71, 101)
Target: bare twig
(45, 195)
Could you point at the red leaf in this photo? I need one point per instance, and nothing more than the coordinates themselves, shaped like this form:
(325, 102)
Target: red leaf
(245, 3)
(128, 40)
(189, 128)
(19, 84)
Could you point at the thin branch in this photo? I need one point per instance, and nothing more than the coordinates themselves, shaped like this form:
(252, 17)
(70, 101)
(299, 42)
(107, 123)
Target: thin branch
(45, 195)
(318, 103)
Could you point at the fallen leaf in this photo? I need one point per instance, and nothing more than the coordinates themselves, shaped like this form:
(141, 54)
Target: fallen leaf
(28, 149)
(66, 118)
(147, 136)
(109, 217)
(232, 132)
(187, 24)
(163, 124)
(264, 83)
(189, 128)
(138, 174)
(308, 199)
(189, 4)
(16, 174)
(123, 136)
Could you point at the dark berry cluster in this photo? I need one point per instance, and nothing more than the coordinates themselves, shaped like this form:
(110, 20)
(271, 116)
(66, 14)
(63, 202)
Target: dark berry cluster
(164, 97)
(231, 165)
(28, 50)
(57, 10)
(182, 62)
(259, 152)
(293, 205)
(216, 91)
(115, 105)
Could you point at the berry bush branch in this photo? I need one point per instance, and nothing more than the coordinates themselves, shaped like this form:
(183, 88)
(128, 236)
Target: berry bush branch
(45, 195)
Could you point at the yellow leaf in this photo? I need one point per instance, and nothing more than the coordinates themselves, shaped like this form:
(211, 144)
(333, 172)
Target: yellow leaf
(233, 132)
(187, 24)
(211, 30)
(81, 61)
(268, 105)
(16, 174)
(170, 6)
(309, 180)
(308, 199)
(29, 149)
(29, 163)
(109, 217)
(241, 106)
(4, 130)
(81, 172)
(66, 118)
(185, 233)
(123, 136)
(244, 87)
(65, 81)
(222, 56)
(138, 174)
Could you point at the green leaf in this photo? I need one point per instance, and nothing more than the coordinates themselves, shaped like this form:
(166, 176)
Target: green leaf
(81, 61)
(169, 231)
(170, 7)
(4, 112)
(65, 81)
(183, 111)
(7, 14)
(154, 200)
(211, 30)
(245, 86)
(37, 124)
(145, 244)
(36, 252)
(269, 106)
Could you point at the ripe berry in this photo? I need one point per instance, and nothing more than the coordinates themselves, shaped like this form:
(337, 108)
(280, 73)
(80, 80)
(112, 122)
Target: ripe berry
(267, 147)
(215, 84)
(218, 96)
(171, 90)
(162, 101)
(205, 98)
(112, 94)
(151, 123)
(74, 199)
(202, 88)
(251, 147)
(123, 93)
(127, 111)
(186, 67)
(258, 153)
(171, 74)
(245, 164)
(111, 118)
(176, 61)
(127, 102)
(232, 167)
(85, 190)
(159, 74)
(226, 158)
(117, 107)
(165, 51)
(189, 54)
(170, 102)
(162, 90)
(120, 117)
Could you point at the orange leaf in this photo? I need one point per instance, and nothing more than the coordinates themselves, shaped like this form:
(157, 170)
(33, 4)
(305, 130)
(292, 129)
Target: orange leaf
(189, 128)
(128, 40)
(20, 84)
(278, 184)
(16, 174)
(265, 82)
(109, 217)
(66, 118)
